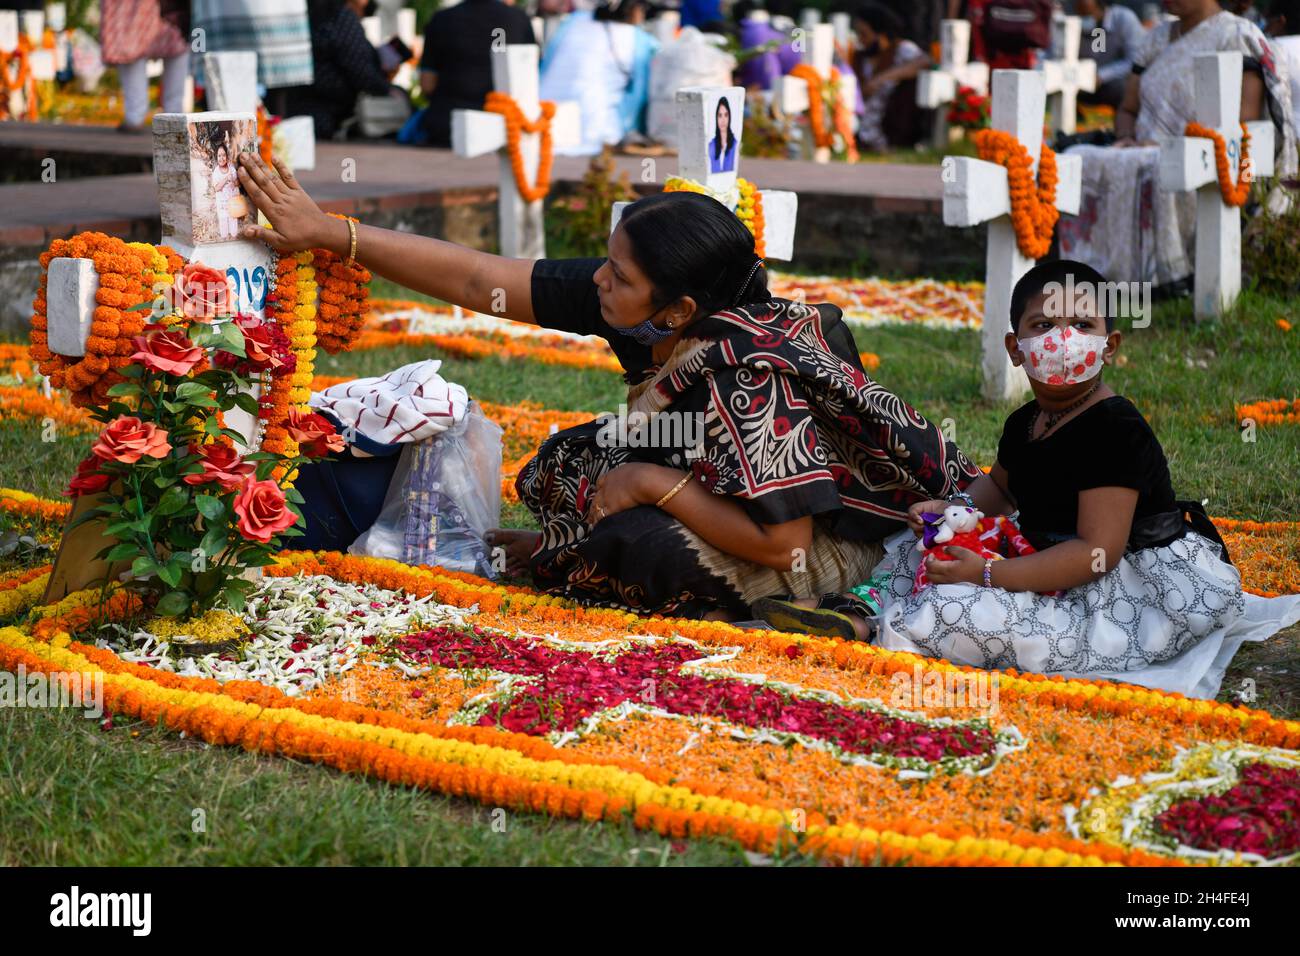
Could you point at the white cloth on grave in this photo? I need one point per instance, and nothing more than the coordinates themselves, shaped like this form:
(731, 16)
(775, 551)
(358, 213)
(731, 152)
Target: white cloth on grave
(409, 404)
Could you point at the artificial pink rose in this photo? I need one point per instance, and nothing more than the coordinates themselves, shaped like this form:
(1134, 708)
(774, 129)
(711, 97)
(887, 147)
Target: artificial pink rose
(313, 433)
(201, 292)
(127, 440)
(88, 480)
(262, 512)
(164, 350)
(222, 466)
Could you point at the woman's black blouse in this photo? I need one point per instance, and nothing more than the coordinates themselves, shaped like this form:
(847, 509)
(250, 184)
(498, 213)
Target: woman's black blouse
(564, 298)
(1108, 445)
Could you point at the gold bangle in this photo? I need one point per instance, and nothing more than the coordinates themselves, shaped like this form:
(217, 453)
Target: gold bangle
(352, 239)
(676, 488)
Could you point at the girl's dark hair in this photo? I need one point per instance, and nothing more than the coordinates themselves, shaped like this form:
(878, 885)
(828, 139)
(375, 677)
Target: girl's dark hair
(691, 244)
(881, 19)
(1290, 10)
(728, 138)
(1058, 272)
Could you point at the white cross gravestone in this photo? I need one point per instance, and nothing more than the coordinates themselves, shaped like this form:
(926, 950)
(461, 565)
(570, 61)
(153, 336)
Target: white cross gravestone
(197, 210)
(478, 132)
(696, 123)
(231, 78)
(230, 81)
(34, 25)
(818, 51)
(937, 88)
(977, 192)
(1188, 164)
(809, 17)
(842, 25)
(1066, 74)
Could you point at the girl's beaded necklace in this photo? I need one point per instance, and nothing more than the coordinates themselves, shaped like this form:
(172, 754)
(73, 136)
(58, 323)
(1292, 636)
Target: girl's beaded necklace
(1054, 418)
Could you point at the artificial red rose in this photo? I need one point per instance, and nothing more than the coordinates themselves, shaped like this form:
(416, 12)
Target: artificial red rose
(201, 292)
(88, 480)
(314, 434)
(222, 466)
(164, 350)
(265, 347)
(127, 439)
(261, 511)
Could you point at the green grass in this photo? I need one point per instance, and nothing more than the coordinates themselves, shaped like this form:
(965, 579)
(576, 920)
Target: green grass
(72, 794)
(76, 795)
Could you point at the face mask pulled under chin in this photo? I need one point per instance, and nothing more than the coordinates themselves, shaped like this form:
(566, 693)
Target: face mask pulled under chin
(1063, 356)
(645, 332)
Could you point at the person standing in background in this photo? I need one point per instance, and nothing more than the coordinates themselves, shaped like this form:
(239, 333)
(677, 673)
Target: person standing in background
(601, 61)
(343, 62)
(133, 32)
(1123, 36)
(1284, 36)
(276, 30)
(456, 66)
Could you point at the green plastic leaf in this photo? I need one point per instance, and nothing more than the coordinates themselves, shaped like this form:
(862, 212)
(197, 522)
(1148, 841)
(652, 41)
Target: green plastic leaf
(173, 603)
(211, 508)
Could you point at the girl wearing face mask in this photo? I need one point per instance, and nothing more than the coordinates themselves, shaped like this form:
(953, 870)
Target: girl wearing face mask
(1124, 584)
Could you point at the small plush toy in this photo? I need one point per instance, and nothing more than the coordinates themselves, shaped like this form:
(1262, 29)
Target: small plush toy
(963, 527)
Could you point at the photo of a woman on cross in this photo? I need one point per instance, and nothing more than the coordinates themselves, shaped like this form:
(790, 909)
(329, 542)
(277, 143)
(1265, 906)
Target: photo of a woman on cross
(724, 144)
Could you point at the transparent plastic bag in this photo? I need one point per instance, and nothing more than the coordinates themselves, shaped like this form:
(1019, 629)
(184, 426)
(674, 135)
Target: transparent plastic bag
(444, 497)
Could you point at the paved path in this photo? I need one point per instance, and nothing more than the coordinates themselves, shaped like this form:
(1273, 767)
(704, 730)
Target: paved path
(386, 176)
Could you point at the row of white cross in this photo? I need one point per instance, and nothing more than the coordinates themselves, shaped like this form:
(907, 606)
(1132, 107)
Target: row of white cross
(975, 192)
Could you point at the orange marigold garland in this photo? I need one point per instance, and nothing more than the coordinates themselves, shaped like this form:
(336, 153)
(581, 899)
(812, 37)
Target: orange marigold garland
(20, 82)
(1234, 194)
(125, 282)
(342, 305)
(516, 125)
(1033, 206)
(841, 115)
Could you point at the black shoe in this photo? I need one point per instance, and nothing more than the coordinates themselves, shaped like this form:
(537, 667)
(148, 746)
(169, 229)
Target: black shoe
(820, 621)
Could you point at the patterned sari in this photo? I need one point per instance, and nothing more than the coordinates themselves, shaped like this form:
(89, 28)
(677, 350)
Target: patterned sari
(769, 405)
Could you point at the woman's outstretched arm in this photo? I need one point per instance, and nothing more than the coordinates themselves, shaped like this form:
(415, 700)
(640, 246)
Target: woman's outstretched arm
(492, 285)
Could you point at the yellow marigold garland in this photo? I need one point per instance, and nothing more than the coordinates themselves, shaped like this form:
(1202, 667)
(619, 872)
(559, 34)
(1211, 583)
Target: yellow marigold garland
(749, 209)
(1033, 207)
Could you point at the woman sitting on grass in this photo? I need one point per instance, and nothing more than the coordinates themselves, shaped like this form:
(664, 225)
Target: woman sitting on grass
(1122, 584)
(774, 463)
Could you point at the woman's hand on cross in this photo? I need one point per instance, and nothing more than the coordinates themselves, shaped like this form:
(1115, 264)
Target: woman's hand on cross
(296, 222)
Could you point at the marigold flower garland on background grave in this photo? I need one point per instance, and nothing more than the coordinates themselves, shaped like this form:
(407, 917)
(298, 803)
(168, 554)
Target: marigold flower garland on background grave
(841, 116)
(1033, 206)
(1234, 194)
(516, 125)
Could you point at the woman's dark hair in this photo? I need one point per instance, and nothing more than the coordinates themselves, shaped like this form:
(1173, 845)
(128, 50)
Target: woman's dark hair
(1290, 11)
(1064, 273)
(728, 138)
(691, 244)
(881, 19)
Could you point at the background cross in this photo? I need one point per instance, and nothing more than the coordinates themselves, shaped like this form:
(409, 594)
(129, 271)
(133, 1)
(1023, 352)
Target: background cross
(477, 132)
(977, 192)
(1187, 164)
(1066, 75)
(819, 53)
(937, 88)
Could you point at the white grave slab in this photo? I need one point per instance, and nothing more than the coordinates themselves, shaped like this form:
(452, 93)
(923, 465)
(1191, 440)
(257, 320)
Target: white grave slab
(477, 133)
(818, 52)
(976, 192)
(842, 25)
(34, 25)
(696, 123)
(56, 16)
(810, 17)
(1187, 164)
(937, 88)
(298, 134)
(1065, 74)
(8, 30)
(230, 81)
